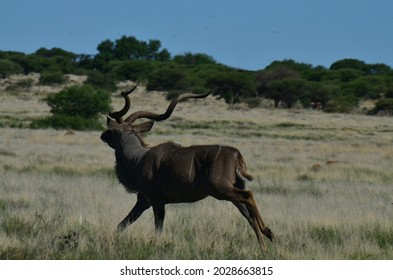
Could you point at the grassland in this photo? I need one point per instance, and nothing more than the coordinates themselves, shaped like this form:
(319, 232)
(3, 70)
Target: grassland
(324, 185)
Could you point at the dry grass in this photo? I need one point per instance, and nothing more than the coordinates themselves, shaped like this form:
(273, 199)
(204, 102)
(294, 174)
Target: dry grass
(59, 198)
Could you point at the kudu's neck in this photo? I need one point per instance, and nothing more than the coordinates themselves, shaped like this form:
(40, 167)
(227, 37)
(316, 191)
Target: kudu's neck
(129, 160)
(130, 148)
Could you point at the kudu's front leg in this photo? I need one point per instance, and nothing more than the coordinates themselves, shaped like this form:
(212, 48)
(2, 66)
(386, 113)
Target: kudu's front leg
(159, 215)
(140, 207)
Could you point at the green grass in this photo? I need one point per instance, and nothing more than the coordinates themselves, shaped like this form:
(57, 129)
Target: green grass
(17, 226)
(382, 236)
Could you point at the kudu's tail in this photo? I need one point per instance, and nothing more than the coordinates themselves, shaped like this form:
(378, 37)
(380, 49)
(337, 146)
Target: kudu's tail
(241, 172)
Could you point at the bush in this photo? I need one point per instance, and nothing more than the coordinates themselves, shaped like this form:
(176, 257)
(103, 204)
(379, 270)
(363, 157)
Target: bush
(76, 107)
(169, 77)
(8, 68)
(389, 93)
(23, 84)
(383, 106)
(83, 101)
(253, 102)
(52, 78)
(134, 70)
(67, 122)
(101, 81)
(342, 104)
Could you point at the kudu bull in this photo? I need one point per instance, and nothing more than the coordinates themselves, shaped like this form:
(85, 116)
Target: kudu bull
(171, 173)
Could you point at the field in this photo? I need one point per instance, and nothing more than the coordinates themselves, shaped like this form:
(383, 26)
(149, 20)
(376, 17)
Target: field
(323, 184)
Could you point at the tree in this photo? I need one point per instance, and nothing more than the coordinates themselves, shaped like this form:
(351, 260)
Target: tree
(99, 80)
(349, 63)
(343, 75)
(389, 92)
(168, 77)
(129, 47)
(154, 52)
(105, 54)
(55, 52)
(366, 87)
(134, 70)
(58, 59)
(287, 91)
(279, 72)
(316, 74)
(8, 68)
(106, 47)
(191, 59)
(316, 93)
(52, 78)
(84, 61)
(378, 69)
(232, 85)
(290, 64)
(163, 55)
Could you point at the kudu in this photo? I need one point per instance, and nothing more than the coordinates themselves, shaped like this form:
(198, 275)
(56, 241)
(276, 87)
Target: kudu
(171, 173)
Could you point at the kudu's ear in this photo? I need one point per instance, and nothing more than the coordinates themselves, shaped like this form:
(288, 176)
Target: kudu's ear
(144, 127)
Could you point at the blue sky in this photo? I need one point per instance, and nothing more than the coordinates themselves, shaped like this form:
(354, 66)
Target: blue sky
(247, 34)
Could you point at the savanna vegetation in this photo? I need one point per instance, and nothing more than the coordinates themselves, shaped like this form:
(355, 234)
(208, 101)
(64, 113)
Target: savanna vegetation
(323, 182)
(339, 88)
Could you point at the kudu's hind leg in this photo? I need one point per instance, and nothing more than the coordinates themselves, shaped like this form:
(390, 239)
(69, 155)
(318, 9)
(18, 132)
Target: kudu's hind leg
(254, 212)
(245, 202)
(253, 222)
(240, 184)
(250, 213)
(140, 207)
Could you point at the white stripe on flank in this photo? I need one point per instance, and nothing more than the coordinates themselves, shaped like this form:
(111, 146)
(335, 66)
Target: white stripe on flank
(219, 149)
(191, 165)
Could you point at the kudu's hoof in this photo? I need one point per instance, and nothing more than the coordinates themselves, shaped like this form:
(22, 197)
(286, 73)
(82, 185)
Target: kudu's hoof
(121, 227)
(269, 234)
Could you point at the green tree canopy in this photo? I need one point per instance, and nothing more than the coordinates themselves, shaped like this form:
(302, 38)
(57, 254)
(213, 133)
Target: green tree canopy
(169, 77)
(349, 63)
(290, 64)
(8, 68)
(192, 59)
(130, 48)
(232, 85)
(287, 91)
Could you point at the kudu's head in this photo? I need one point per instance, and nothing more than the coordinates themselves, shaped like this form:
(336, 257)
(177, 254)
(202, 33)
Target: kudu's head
(119, 129)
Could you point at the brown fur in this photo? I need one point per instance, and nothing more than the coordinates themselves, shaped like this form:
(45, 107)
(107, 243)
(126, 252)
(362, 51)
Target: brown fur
(170, 173)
